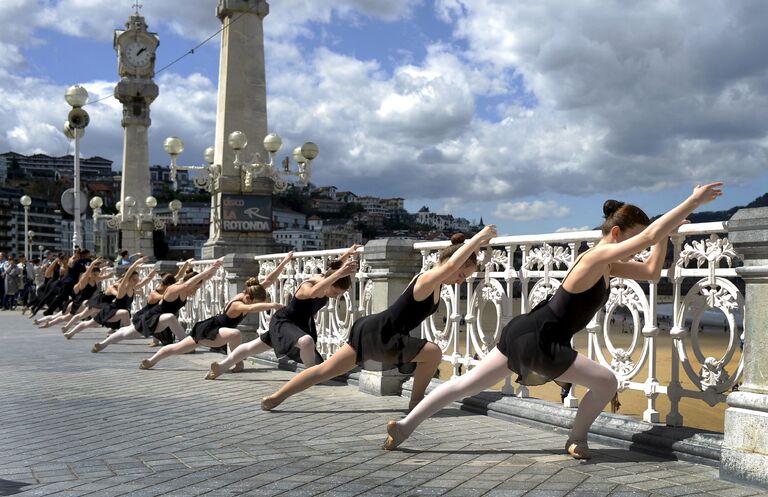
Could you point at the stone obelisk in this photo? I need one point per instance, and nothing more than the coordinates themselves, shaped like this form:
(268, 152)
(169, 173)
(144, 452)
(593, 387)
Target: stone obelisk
(241, 106)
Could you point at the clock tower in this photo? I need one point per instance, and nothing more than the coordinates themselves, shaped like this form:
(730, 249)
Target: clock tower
(136, 48)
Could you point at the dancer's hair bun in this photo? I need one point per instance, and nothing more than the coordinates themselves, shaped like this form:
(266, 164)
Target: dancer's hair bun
(611, 206)
(252, 281)
(458, 238)
(335, 264)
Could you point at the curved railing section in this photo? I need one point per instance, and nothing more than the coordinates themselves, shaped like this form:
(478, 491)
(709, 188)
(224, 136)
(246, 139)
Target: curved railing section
(517, 272)
(333, 321)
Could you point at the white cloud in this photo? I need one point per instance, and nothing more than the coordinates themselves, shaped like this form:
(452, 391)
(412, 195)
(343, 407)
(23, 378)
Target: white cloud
(528, 211)
(677, 99)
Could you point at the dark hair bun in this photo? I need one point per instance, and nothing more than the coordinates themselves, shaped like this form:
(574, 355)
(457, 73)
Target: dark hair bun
(458, 238)
(335, 264)
(611, 206)
(252, 281)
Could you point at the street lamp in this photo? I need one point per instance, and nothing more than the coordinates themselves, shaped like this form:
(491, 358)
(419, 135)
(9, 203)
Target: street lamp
(124, 213)
(77, 120)
(30, 237)
(174, 146)
(26, 201)
(249, 168)
(40, 249)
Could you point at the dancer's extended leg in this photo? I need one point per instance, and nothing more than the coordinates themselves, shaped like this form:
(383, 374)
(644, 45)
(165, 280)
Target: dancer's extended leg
(182, 347)
(427, 361)
(342, 361)
(236, 356)
(491, 370)
(306, 348)
(602, 385)
(169, 320)
(121, 334)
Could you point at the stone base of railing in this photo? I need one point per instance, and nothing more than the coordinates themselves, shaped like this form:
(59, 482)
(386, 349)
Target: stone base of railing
(687, 444)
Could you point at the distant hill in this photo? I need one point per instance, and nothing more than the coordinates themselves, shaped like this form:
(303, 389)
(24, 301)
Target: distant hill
(712, 216)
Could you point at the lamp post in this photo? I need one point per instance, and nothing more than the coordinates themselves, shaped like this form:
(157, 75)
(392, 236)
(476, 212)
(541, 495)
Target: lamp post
(174, 146)
(124, 213)
(26, 201)
(303, 155)
(30, 237)
(77, 120)
(40, 249)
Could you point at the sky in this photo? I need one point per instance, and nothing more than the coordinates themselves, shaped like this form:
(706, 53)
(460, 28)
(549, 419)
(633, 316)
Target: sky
(528, 114)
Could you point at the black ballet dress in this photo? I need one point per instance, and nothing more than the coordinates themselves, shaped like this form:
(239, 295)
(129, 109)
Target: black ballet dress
(291, 323)
(99, 300)
(108, 311)
(66, 286)
(82, 296)
(148, 318)
(208, 329)
(383, 341)
(538, 344)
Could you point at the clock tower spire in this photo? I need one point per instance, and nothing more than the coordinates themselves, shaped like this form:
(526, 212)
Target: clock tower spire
(136, 90)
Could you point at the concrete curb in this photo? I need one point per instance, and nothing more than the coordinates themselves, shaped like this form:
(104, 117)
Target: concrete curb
(675, 443)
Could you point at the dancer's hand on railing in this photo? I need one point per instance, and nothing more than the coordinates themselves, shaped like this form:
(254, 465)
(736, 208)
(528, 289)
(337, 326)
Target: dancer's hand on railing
(486, 234)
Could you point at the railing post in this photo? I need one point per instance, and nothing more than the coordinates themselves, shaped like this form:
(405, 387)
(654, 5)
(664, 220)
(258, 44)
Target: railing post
(745, 444)
(393, 264)
(240, 267)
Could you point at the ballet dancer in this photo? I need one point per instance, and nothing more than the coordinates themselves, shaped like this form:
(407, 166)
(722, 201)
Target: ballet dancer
(383, 341)
(292, 330)
(161, 319)
(220, 329)
(85, 288)
(537, 346)
(117, 313)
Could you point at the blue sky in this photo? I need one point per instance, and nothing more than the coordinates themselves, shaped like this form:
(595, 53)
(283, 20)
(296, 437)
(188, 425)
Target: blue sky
(527, 114)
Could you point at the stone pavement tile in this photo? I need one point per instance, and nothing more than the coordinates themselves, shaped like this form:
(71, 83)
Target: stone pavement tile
(736, 492)
(545, 493)
(625, 493)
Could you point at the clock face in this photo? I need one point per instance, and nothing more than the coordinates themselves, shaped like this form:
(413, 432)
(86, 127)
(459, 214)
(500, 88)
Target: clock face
(138, 54)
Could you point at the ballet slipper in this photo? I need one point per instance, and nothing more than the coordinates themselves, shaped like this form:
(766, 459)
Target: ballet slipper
(68, 336)
(267, 403)
(395, 436)
(578, 449)
(214, 372)
(146, 364)
(239, 367)
(154, 343)
(97, 347)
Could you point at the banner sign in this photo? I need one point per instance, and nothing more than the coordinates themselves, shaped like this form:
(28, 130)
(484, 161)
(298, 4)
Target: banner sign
(246, 213)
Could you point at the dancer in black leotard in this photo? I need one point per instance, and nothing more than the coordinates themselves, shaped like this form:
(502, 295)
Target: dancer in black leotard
(117, 313)
(536, 346)
(384, 338)
(292, 332)
(220, 329)
(81, 293)
(161, 320)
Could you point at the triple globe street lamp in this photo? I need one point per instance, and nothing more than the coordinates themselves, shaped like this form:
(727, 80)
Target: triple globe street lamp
(249, 168)
(74, 128)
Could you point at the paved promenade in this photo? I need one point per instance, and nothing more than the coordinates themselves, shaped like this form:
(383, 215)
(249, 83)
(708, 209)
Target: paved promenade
(77, 423)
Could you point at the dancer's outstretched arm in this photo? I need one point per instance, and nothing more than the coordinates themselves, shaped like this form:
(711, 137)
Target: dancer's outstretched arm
(183, 269)
(657, 230)
(173, 291)
(272, 277)
(125, 282)
(315, 288)
(432, 279)
(147, 279)
(241, 308)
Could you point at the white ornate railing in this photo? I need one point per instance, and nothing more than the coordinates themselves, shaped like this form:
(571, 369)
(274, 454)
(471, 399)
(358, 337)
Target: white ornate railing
(538, 263)
(206, 302)
(333, 321)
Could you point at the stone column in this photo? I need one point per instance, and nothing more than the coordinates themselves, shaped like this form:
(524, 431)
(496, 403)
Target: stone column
(241, 106)
(393, 265)
(745, 445)
(239, 268)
